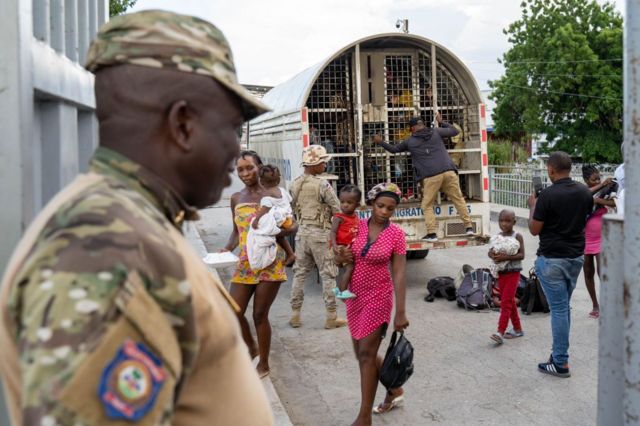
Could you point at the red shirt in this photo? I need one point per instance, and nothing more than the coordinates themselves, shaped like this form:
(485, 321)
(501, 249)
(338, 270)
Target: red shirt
(347, 230)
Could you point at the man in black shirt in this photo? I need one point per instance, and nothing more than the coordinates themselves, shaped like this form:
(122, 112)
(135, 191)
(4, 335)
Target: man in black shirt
(434, 169)
(559, 216)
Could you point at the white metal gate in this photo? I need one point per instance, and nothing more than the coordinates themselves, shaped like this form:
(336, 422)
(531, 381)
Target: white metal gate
(47, 126)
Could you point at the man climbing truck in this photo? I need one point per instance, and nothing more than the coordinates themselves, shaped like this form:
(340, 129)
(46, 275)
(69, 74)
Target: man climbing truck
(376, 85)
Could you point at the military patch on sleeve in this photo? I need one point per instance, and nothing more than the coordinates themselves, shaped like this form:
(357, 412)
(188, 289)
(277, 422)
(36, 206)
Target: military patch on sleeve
(131, 382)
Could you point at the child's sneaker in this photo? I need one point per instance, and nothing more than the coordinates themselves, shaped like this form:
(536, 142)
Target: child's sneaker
(345, 295)
(554, 369)
(497, 337)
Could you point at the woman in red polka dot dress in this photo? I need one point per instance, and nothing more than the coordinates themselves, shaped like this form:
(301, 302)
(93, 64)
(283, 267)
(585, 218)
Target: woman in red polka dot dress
(378, 244)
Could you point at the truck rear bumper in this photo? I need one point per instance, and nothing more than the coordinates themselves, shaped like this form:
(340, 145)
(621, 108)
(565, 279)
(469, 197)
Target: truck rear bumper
(476, 240)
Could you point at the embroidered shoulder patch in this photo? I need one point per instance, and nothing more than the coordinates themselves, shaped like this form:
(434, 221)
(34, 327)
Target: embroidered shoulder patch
(131, 382)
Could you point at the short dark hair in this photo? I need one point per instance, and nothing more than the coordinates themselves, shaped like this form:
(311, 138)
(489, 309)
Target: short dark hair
(560, 161)
(506, 211)
(254, 155)
(589, 170)
(415, 121)
(269, 174)
(351, 189)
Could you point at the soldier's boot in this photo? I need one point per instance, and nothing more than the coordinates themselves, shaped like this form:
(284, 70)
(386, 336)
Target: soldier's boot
(295, 320)
(333, 321)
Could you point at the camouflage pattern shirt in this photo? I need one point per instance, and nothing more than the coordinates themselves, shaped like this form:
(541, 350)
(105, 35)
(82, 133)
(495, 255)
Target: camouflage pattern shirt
(102, 258)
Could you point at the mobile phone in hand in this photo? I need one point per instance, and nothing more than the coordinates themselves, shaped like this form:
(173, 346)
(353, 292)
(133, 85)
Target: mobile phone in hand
(537, 185)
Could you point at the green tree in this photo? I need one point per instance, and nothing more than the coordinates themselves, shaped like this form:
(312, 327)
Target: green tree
(503, 153)
(117, 7)
(563, 78)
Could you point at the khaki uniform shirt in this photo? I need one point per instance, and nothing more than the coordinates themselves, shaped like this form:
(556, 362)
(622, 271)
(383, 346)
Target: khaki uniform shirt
(105, 308)
(315, 202)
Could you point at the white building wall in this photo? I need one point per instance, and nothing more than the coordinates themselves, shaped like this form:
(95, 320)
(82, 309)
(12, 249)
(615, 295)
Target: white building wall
(47, 126)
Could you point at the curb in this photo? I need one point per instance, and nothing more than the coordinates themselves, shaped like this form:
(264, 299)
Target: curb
(280, 415)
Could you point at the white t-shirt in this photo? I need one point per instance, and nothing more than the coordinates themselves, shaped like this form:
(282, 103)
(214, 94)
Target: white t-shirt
(619, 176)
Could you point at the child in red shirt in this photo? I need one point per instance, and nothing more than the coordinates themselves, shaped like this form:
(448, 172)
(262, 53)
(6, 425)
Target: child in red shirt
(344, 226)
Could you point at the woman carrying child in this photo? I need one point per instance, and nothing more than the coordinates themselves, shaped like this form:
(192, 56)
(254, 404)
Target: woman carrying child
(507, 253)
(246, 283)
(378, 254)
(593, 232)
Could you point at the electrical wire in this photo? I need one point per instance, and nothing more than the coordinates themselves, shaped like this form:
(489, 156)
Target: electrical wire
(546, 62)
(563, 93)
(575, 75)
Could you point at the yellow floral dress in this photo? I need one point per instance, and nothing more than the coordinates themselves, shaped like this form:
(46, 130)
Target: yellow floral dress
(275, 272)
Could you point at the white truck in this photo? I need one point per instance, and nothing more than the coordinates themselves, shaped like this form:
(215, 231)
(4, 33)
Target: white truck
(375, 85)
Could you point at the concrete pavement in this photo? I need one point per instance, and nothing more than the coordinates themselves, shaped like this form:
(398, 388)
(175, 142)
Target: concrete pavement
(280, 415)
(460, 376)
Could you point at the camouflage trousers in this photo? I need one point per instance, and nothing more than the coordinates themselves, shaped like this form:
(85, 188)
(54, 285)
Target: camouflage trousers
(313, 250)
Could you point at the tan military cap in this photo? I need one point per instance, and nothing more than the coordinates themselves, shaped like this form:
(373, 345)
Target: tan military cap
(314, 154)
(159, 39)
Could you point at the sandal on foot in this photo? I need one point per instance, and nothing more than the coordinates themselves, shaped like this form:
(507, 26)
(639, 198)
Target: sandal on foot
(385, 407)
(512, 334)
(594, 314)
(345, 295)
(497, 337)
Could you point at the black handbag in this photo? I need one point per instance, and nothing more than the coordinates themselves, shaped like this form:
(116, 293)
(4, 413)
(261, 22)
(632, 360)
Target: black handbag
(397, 366)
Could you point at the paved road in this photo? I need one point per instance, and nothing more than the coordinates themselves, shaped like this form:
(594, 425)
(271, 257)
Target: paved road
(460, 376)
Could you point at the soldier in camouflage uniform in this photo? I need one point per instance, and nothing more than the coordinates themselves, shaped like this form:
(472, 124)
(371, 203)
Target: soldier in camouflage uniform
(314, 203)
(107, 315)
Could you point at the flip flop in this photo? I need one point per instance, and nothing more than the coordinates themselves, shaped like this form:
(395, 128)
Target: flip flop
(398, 401)
(594, 314)
(512, 334)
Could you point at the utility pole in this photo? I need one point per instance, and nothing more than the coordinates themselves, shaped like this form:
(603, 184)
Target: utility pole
(619, 341)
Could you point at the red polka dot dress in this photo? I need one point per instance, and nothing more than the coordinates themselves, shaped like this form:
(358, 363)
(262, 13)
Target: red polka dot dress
(371, 279)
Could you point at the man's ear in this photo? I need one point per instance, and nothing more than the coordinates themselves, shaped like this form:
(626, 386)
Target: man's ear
(181, 124)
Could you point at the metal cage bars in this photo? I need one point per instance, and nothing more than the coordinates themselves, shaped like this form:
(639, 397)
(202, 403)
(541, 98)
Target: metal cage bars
(408, 92)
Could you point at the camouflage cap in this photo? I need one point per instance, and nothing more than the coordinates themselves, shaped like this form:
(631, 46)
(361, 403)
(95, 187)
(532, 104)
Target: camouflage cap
(159, 39)
(314, 154)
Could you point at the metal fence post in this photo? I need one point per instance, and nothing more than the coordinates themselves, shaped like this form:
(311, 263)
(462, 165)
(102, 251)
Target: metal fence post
(611, 333)
(491, 184)
(16, 116)
(632, 212)
(619, 373)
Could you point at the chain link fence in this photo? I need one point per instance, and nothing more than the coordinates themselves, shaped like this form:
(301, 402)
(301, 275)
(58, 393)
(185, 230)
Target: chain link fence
(512, 186)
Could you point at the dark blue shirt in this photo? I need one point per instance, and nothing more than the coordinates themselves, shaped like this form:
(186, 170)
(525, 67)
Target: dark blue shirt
(428, 153)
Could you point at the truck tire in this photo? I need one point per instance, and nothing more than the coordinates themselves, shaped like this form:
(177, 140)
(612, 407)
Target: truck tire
(417, 254)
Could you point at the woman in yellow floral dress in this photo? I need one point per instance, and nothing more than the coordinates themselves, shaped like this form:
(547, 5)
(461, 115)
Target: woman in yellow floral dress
(263, 284)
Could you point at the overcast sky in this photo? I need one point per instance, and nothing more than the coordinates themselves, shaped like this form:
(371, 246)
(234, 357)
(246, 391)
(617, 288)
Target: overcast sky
(274, 40)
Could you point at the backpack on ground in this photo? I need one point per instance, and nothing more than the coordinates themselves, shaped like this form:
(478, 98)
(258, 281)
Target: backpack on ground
(461, 274)
(533, 298)
(397, 366)
(440, 287)
(475, 290)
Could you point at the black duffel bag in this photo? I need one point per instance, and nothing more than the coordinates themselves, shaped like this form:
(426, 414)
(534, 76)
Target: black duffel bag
(533, 297)
(397, 366)
(441, 287)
